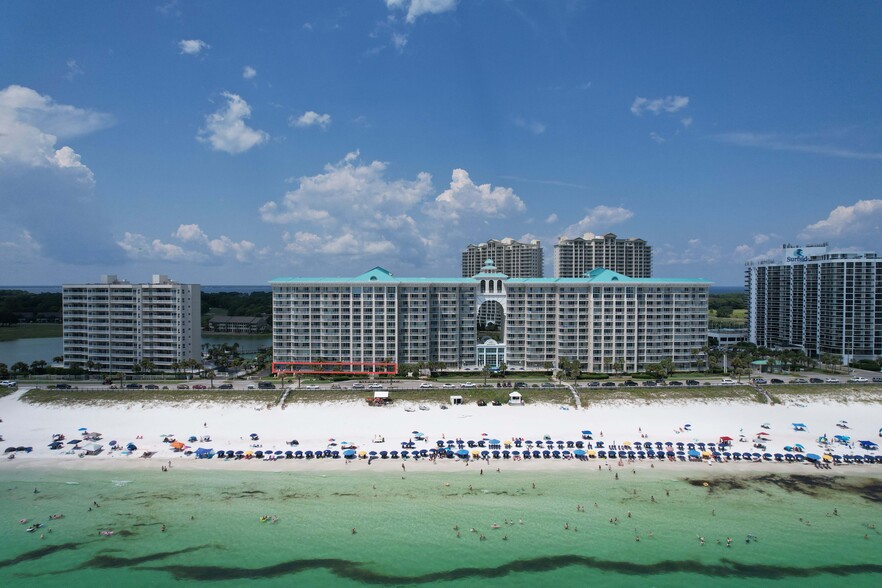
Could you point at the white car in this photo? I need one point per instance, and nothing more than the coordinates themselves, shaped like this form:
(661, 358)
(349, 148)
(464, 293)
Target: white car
(9, 383)
(859, 379)
(312, 387)
(831, 381)
(426, 385)
(448, 386)
(374, 386)
(726, 381)
(469, 385)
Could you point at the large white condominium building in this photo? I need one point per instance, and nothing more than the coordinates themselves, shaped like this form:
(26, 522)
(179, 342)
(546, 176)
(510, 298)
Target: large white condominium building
(514, 259)
(113, 325)
(818, 301)
(574, 257)
(604, 319)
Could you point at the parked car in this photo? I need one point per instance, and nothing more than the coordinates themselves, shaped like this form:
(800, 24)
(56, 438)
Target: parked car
(312, 387)
(629, 383)
(816, 381)
(727, 381)
(225, 387)
(9, 383)
(375, 386)
(63, 386)
(594, 384)
(426, 385)
(133, 386)
(183, 387)
(777, 381)
(799, 381)
(877, 380)
(448, 386)
(520, 384)
(831, 381)
(469, 385)
(649, 383)
(547, 385)
(151, 387)
(358, 386)
(264, 386)
(609, 384)
(692, 382)
(760, 381)
(859, 379)
(675, 383)
(200, 387)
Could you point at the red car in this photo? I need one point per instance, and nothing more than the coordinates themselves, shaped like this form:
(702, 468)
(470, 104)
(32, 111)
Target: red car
(199, 387)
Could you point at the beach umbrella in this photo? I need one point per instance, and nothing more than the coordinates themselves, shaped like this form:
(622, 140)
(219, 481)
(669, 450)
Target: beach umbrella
(349, 453)
(799, 446)
(813, 457)
(112, 443)
(82, 429)
(579, 453)
(762, 434)
(693, 453)
(74, 442)
(463, 453)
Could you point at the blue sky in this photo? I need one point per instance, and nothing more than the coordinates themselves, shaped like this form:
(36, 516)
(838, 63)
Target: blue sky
(232, 143)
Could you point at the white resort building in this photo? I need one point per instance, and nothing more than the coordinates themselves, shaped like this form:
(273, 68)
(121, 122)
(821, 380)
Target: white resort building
(604, 319)
(113, 325)
(818, 301)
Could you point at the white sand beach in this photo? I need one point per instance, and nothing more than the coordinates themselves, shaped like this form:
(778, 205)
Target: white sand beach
(315, 426)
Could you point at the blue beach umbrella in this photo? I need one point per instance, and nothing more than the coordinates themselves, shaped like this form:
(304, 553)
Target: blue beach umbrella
(463, 453)
(813, 457)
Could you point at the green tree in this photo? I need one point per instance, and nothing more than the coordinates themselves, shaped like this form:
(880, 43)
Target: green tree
(20, 367)
(210, 375)
(4, 370)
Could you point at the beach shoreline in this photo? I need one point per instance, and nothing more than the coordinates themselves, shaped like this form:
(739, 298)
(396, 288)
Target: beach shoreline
(333, 425)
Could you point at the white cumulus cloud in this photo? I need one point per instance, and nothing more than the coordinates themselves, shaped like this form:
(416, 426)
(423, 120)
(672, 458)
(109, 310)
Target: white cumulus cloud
(464, 197)
(32, 124)
(311, 119)
(249, 72)
(195, 247)
(552, 218)
(598, 218)
(192, 46)
(669, 104)
(225, 130)
(859, 222)
(417, 8)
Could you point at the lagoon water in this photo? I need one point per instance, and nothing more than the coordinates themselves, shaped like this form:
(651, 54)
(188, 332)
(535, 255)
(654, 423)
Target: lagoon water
(405, 528)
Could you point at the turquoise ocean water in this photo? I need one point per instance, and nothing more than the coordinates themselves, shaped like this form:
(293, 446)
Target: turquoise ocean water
(405, 529)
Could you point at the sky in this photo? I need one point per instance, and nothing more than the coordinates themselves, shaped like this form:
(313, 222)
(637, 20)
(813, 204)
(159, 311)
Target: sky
(233, 143)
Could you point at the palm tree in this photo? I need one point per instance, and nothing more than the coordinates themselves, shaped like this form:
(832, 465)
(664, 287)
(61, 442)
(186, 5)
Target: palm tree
(19, 367)
(58, 359)
(210, 375)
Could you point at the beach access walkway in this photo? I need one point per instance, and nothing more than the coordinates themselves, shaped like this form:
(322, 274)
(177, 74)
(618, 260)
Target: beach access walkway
(575, 394)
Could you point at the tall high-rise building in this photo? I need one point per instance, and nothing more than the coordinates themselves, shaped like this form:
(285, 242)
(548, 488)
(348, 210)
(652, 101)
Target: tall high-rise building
(113, 325)
(818, 301)
(512, 258)
(575, 257)
(607, 321)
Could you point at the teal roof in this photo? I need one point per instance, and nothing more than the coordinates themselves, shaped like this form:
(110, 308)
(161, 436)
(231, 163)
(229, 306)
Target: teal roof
(377, 274)
(595, 276)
